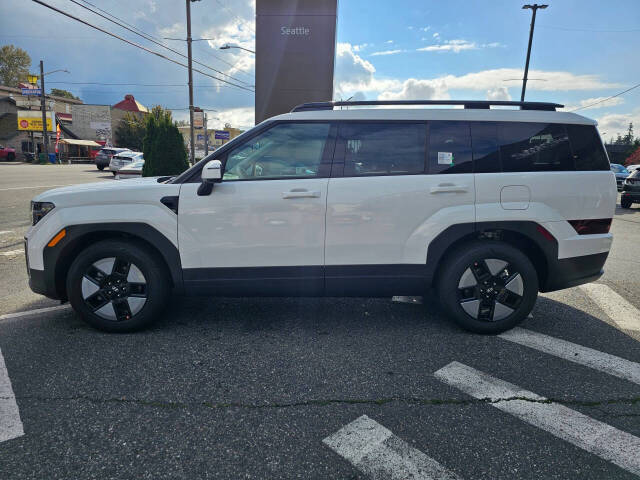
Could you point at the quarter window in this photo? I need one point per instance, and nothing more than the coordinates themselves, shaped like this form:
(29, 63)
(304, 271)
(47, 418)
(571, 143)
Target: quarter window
(588, 151)
(285, 150)
(533, 147)
(383, 148)
(449, 147)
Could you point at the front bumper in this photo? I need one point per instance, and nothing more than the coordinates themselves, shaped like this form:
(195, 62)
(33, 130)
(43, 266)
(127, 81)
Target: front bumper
(39, 284)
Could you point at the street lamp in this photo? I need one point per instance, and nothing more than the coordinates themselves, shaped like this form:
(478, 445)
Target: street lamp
(227, 47)
(534, 8)
(45, 137)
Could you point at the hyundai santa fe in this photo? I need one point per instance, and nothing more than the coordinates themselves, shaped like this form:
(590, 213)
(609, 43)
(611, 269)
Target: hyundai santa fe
(486, 206)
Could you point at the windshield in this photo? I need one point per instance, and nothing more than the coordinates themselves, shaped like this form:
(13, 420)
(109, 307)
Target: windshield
(616, 168)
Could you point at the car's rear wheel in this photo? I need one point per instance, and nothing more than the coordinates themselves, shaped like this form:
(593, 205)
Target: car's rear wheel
(487, 286)
(117, 286)
(11, 157)
(100, 167)
(625, 203)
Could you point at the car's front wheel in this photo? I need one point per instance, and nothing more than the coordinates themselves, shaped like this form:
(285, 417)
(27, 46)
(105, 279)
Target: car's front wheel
(625, 203)
(117, 286)
(100, 167)
(487, 286)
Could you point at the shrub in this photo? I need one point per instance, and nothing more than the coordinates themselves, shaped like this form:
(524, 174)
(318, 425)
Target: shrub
(163, 147)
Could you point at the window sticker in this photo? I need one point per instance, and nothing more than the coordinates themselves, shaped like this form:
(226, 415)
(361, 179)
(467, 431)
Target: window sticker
(445, 158)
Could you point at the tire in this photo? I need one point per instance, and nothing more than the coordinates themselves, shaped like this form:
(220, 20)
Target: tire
(487, 286)
(100, 167)
(625, 203)
(105, 298)
(114, 173)
(11, 157)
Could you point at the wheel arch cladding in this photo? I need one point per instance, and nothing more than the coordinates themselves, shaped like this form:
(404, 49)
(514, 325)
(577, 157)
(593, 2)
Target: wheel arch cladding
(524, 236)
(58, 260)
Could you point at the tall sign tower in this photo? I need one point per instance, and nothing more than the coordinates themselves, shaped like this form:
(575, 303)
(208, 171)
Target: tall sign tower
(295, 53)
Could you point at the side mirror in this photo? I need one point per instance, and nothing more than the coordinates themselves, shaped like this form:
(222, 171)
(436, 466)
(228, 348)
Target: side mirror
(211, 173)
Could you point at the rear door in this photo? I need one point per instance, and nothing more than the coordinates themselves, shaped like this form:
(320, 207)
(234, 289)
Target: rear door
(394, 187)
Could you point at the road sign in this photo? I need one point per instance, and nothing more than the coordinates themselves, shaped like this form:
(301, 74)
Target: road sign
(31, 91)
(222, 135)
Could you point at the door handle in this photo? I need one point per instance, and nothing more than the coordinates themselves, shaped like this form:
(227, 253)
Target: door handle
(449, 188)
(300, 193)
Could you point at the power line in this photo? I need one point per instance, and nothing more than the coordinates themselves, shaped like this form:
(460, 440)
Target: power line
(147, 37)
(570, 29)
(605, 99)
(141, 84)
(137, 45)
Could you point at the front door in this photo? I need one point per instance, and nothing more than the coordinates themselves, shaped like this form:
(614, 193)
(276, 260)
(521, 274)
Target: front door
(262, 229)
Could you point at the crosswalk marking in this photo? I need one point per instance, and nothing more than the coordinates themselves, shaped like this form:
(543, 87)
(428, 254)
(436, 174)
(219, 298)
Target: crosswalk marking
(379, 454)
(625, 315)
(573, 352)
(10, 423)
(605, 441)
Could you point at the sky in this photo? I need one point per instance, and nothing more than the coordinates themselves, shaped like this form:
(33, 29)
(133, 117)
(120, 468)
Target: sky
(583, 52)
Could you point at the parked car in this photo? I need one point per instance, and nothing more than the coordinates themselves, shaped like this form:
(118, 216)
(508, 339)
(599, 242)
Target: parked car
(7, 154)
(133, 170)
(621, 174)
(632, 168)
(123, 159)
(103, 157)
(353, 202)
(631, 190)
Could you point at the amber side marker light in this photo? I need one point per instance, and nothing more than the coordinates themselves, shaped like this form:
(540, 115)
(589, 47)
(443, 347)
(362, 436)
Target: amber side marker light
(59, 236)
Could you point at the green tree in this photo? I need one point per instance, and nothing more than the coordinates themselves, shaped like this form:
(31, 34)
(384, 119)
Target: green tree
(59, 92)
(130, 132)
(163, 146)
(14, 65)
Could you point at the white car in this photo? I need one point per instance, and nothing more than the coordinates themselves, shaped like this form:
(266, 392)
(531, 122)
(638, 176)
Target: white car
(133, 170)
(632, 168)
(123, 159)
(487, 206)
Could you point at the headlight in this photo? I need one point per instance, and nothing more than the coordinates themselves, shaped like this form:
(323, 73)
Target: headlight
(39, 210)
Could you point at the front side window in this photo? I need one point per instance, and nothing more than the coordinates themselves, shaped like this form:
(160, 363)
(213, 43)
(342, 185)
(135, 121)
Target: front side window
(286, 150)
(449, 147)
(383, 148)
(534, 147)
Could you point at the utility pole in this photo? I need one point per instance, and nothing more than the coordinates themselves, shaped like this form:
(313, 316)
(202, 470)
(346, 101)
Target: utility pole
(192, 154)
(206, 136)
(534, 8)
(43, 106)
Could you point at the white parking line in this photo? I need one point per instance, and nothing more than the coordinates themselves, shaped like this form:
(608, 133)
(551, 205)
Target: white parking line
(4, 232)
(573, 352)
(625, 315)
(8, 316)
(378, 453)
(34, 186)
(10, 423)
(13, 253)
(584, 432)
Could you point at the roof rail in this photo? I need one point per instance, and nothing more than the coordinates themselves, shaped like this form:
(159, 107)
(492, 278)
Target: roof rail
(471, 104)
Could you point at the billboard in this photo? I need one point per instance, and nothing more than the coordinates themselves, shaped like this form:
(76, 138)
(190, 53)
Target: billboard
(222, 135)
(295, 52)
(31, 120)
(198, 119)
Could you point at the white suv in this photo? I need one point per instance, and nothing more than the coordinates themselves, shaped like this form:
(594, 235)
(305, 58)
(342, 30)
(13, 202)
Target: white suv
(489, 206)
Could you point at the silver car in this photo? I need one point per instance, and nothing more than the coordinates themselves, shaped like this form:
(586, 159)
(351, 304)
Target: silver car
(621, 174)
(123, 159)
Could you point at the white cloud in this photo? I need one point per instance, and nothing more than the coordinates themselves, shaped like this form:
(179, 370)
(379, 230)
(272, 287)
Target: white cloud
(498, 93)
(386, 52)
(242, 117)
(389, 41)
(413, 89)
(456, 46)
(601, 102)
(426, 29)
(436, 35)
(357, 48)
(612, 124)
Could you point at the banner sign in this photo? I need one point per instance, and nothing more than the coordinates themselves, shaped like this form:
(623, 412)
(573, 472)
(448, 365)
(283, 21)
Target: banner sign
(198, 119)
(31, 91)
(222, 135)
(31, 120)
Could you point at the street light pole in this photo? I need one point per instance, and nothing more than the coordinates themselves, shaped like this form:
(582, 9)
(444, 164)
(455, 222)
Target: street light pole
(534, 8)
(43, 106)
(192, 154)
(227, 47)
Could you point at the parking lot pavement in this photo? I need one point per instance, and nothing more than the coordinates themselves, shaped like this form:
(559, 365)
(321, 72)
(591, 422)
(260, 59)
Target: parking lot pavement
(331, 388)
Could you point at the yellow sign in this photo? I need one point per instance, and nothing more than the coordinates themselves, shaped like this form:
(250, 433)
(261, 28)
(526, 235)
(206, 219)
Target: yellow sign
(32, 121)
(33, 79)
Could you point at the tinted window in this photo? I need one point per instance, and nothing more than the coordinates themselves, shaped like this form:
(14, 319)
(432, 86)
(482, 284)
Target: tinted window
(383, 148)
(486, 147)
(285, 150)
(534, 147)
(587, 148)
(449, 147)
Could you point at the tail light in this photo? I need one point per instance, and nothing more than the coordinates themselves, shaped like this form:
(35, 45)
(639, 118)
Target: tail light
(591, 227)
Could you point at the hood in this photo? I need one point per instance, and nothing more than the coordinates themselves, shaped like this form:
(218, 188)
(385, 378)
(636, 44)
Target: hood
(138, 190)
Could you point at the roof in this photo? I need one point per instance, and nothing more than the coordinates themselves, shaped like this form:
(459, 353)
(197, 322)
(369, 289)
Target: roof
(130, 104)
(85, 143)
(18, 91)
(421, 114)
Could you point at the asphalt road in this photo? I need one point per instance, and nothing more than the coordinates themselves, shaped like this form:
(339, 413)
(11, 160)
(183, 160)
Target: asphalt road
(250, 388)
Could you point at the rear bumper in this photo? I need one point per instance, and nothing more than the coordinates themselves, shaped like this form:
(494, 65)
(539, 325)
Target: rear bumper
(634, 196)
(569, 272)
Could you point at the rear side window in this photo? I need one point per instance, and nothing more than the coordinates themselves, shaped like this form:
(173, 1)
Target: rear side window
(383, 148)
(534, 147)
(588, 151)
(449, 148)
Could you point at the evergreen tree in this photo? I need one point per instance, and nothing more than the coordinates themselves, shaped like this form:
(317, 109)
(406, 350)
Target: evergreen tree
(130, 132)
(163, 146)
